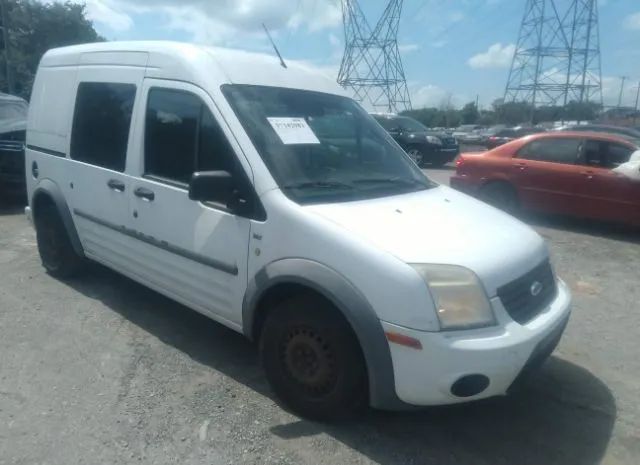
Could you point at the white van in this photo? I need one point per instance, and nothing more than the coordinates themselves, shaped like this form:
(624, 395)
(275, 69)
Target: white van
(264, 198)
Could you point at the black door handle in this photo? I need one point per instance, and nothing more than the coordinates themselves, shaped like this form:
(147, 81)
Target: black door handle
(144, 194)
(115, 185)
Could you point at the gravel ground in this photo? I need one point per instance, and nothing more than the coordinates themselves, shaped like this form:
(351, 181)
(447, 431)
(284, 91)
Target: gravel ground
(101, 370)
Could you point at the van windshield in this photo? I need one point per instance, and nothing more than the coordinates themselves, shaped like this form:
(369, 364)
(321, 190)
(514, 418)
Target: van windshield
(322, 147)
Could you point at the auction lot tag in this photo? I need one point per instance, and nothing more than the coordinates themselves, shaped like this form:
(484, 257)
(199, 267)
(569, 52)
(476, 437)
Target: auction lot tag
(293, 131)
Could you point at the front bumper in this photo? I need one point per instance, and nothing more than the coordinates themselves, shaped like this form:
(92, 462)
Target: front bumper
(500, 353)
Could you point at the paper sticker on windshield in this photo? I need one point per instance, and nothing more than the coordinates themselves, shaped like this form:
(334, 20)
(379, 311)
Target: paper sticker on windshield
(293, 131)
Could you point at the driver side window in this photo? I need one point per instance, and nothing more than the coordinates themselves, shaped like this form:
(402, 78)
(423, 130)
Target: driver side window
(182, 137)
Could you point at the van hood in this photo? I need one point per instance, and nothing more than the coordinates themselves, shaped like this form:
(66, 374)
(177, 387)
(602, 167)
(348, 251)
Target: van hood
(443, 226)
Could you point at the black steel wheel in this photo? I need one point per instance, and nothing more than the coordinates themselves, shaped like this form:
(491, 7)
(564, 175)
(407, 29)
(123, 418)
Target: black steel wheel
(312, 359)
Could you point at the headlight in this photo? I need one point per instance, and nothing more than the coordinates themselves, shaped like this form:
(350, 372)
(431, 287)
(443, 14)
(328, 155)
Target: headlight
(460, 299)
(434, 140)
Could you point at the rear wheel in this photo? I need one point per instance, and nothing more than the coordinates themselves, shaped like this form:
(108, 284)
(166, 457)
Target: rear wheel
(312, 359)
(55, 248)
(501, 195)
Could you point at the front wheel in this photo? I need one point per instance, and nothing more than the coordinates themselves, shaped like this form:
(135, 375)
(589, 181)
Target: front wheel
(312, 359)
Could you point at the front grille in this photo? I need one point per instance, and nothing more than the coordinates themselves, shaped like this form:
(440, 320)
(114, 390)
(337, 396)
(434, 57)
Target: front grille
(518, 296)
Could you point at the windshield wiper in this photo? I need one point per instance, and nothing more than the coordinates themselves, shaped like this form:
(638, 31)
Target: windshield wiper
(411, 182)
(318, 185)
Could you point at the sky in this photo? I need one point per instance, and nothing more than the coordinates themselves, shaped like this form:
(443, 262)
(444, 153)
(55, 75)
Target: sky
(451, 49)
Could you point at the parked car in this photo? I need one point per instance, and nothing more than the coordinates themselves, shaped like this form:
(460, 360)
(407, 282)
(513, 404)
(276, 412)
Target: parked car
(229, 183)
(424, 146)
(558, 172)
(509, 134)
(489, 132)
(630, 134)
(13, 124)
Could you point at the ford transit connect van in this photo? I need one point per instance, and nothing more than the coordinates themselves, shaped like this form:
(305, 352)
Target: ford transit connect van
(266, 199)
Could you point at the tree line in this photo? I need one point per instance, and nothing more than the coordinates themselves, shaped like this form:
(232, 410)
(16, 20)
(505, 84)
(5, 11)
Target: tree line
(508, 113)
(33, 28)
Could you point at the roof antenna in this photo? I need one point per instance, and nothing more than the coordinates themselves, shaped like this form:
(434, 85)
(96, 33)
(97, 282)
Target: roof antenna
(284, 65)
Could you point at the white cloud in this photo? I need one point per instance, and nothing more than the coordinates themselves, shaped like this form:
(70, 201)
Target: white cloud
(497, 56)
(334, 40)
(429, 95)
(632, 21)
(218, 21)
(100, 12)
(408, 48)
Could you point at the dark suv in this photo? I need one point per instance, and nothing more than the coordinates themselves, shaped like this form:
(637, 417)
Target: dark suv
(424, 146)
(13, 124)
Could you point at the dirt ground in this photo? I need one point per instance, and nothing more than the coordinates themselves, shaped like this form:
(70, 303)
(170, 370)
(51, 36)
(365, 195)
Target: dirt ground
(101, 370)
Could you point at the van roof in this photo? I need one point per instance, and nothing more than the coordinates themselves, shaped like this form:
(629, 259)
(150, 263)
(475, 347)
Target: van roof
(195, 63)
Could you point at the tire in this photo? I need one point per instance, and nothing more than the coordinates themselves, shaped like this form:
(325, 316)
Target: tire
(417, 155)
(501, 195)
(54, 246)
(312, 359)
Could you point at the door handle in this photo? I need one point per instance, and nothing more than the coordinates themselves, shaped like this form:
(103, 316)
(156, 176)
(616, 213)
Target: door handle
(115, 185)
(144, 194)
(521, 166)
(587, 174)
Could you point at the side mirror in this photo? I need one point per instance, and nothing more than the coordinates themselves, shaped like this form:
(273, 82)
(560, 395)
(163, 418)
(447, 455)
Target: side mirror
(211, 186)
(220, 187)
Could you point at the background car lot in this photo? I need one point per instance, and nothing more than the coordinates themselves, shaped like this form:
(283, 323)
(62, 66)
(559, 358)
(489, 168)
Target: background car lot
(103, 370)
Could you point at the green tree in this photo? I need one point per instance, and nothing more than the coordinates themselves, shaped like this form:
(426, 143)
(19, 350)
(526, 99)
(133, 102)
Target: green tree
(36, 27)
(585, 111)
(469, 113)
(513, 113)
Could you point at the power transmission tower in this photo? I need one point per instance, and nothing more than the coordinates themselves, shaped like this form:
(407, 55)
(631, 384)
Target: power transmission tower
(371, 66)
(557, 57)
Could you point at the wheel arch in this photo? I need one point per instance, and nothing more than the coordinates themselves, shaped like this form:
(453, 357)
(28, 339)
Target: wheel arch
(287, 277)
(49, 194)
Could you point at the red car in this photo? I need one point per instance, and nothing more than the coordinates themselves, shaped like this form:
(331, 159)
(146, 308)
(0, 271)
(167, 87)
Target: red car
(560, 172)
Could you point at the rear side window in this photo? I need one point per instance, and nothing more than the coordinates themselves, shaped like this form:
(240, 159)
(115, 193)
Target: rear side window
(101, 124)
(559, 150)
(604, 154)
(182, 137)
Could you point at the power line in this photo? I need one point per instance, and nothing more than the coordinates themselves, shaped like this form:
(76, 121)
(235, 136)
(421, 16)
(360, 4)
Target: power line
(371, 66)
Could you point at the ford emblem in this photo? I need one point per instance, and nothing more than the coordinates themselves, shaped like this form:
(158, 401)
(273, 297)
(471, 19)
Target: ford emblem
(536, 288)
